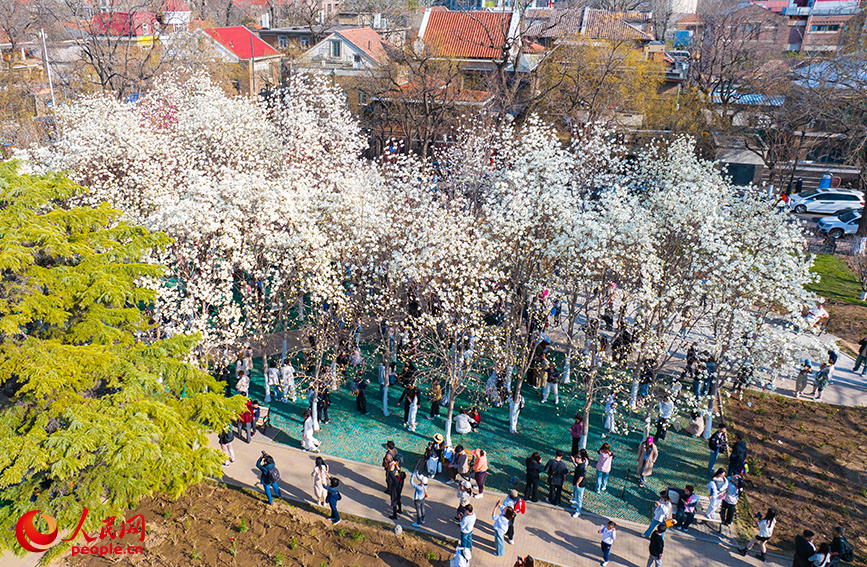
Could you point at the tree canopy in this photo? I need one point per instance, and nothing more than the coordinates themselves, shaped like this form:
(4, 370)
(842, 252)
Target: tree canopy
(91, 414)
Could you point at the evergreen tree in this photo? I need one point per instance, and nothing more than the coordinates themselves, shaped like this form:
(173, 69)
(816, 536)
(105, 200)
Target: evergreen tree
(91, 414)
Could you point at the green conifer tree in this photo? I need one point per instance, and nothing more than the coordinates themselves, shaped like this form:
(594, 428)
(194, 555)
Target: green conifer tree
(90, 413)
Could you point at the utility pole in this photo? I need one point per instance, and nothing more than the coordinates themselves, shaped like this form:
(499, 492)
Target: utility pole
(252, 67)
(48, 71)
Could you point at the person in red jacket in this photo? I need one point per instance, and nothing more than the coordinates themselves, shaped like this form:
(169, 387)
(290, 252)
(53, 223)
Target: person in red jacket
(246, 422)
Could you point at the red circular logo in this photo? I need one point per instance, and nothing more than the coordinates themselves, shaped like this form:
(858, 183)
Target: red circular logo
(31, 538)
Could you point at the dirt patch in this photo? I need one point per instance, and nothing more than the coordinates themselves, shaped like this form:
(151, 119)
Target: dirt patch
(849, 322)
(213, 525)
(807, 460)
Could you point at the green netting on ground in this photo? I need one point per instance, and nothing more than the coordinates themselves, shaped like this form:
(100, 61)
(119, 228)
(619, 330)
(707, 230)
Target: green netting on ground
(543, 428)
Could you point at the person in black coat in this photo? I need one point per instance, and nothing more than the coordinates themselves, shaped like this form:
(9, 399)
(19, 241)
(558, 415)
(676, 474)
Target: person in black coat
(657, 546)
(534, 472)
(738, 456)
(557, 471)
(804, 549)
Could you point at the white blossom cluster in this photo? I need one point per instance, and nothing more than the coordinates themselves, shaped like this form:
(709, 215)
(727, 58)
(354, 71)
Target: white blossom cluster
(269, 202)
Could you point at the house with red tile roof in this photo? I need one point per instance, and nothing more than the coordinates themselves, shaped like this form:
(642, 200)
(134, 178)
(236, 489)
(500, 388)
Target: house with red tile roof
(347, 52)
(255, 58)
(469, 36)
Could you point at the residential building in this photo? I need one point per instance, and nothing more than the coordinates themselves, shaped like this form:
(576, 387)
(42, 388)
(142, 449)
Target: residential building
(353, 51)
(258, 64)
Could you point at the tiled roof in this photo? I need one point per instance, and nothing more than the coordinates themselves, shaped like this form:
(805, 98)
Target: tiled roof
(368, 41)
(467, 35)
(239, 40)
(602, 24)
(596, 24)
(442, 93)
(175, 6)
(133, 24)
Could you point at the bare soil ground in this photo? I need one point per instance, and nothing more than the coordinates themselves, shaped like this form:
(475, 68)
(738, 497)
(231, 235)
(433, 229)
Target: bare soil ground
(807, 460)
(849, 322)
(214, 525)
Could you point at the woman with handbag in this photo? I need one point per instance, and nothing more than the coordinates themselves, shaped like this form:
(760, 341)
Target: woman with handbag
(661, 513)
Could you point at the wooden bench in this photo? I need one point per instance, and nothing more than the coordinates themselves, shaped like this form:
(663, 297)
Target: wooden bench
(264, 420)
(703, 503)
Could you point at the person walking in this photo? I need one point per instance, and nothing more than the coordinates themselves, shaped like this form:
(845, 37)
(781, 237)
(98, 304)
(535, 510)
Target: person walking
(320, 480)
(686, 506)
(501, 517)
(516, 404)
(323, 402)
(360, 384)
(515, 503)
(245, 423)
(802, 378)
(730, 499)
(716, 488)
(576, 430)
(657, 546)
(610, 403)
(557, 471)
(666, 411)
(226, 437)
(661, 513)
(718, 443)
(406, 400)
(738, 457)
(308, 441)
(270, 476)
(551, 385)
(387, 459)
(603, 467)
(766, 530)
(414, 398)
(609, 534)
(861, 359)
(467, 523)
(332, 497)
(647, 455)
(534, 473)
(382, 377)
(436, 398)
(419, 485)
(480, 470)
(287, 381)
(804, 549)
(823, 378)
(581, 460)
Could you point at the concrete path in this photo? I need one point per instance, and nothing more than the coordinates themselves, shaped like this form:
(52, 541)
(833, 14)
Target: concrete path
(545, 532)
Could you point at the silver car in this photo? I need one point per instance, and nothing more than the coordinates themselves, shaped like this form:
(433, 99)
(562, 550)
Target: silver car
(838, 225)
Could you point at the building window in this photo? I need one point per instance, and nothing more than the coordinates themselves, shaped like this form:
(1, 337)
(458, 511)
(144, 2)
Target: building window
(825, 28)
(752, 31)
(305, 42)
(335, 49)
(283, 42)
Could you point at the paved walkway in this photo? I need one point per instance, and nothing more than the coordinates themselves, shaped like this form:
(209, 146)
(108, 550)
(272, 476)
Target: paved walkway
(545, 532)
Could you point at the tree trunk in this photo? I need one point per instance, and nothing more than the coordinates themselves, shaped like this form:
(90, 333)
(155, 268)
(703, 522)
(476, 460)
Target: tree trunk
(450, 417)
(265, 376)
(588, 404)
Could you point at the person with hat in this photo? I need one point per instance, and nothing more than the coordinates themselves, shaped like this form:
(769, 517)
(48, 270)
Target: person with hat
(647, 455)
(465, 494)
(419, 484)
(462, 557)
(514, 502)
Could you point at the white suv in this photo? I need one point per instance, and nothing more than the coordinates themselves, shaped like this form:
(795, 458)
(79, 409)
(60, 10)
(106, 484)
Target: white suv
(827, 201)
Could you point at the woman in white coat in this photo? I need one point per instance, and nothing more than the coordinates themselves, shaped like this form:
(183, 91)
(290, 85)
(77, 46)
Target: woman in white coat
(309, 442)
(717, 488)
(413, 409)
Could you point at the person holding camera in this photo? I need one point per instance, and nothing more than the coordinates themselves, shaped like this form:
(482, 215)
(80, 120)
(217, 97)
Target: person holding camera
(270, 476)
(766, 530)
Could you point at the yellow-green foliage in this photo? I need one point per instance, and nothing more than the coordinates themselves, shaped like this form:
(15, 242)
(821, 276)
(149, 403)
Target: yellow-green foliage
(89, 415)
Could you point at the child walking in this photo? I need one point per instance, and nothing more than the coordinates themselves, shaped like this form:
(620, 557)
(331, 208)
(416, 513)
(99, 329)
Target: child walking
(609, 534)
(332, 498)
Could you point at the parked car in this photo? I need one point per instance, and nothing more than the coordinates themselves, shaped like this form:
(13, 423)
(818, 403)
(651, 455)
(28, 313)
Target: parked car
(824, 201)
(838, 225)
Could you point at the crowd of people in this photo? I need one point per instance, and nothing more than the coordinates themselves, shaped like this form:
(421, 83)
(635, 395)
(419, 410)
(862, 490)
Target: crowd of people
(467, 470)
